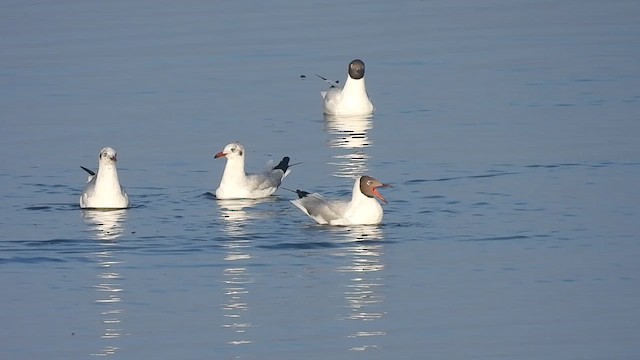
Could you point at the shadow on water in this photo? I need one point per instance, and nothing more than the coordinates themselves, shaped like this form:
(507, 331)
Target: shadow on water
(349, 134)
(107, 227)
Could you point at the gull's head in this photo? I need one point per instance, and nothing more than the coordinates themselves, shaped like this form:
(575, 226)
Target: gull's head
(231, 151)
(108, 155)
(369, 187)
(356, 69)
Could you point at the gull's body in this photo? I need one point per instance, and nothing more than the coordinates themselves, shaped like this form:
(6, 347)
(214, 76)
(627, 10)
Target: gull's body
(103, 189)
(362, 209)
(236, 184)
(351, 99)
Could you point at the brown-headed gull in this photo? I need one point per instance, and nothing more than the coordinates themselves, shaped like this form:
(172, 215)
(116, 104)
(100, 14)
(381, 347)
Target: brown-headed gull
(363, 209)
(103, 189)
(352, 99)
(236, 184)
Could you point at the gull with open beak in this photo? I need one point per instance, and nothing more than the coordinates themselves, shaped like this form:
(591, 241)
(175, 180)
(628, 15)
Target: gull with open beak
(363, 209)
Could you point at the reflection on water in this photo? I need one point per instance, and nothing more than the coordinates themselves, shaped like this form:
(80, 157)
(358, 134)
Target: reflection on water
(364, 250)
(364, 302)
(350, 134)
(236, 275)
(235, 214)
(107, 226)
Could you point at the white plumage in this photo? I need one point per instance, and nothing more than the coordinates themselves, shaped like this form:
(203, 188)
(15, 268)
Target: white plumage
(362, 209)
(236, 184)
(352, 99)
(103, 189)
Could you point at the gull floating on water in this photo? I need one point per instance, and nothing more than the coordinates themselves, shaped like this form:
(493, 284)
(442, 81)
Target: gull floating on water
(363, 209)
(236, 184)
(352, 99)
(103, 189)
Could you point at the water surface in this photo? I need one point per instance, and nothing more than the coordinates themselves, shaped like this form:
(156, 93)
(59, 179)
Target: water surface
(508, 129)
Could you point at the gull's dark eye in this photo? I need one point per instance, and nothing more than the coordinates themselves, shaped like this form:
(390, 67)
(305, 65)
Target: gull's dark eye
(369, 182)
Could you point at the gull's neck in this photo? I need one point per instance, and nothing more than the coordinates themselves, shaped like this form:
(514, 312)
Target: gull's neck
(234, 170)
(107, 176)
(355, 88)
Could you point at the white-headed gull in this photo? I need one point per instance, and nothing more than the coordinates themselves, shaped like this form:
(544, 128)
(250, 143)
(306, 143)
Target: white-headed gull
(352, 99)
(236, 184)
(103, 190)
(363, 209)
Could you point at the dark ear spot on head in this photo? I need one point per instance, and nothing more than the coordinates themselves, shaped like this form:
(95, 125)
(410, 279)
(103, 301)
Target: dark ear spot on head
(239, 152)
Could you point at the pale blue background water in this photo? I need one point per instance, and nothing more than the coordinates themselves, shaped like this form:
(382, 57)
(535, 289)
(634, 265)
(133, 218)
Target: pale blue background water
(508, 128)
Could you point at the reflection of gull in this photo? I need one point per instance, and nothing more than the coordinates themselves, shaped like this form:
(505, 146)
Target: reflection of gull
(361, 294)
(236, 274)
(236, 279)
(235, 216)
(349, 133)
(108, 226)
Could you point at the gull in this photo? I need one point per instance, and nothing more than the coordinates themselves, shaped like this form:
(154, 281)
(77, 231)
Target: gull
(103, 189)
(363, 209)
(350, 100)
(236, 184)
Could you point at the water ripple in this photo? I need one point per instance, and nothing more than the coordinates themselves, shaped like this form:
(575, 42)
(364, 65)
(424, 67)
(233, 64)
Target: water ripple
(496, 174)
(499, 238)
(300, 246)
(31, 260)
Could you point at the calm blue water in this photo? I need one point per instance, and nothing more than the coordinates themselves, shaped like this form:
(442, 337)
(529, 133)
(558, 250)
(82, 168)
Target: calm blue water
(509, 130)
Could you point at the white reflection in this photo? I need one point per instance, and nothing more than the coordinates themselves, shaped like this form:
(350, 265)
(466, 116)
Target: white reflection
(350, 134)
(236, 215)
(364, 302)
(107, 226)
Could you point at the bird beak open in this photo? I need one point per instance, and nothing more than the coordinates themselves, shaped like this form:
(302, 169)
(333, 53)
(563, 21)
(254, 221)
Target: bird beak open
(378, 195)
(219, 155)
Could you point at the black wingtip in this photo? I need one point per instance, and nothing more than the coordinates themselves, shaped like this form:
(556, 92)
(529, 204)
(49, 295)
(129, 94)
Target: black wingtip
(302, 193)
(88, 170)
(283, 164)
(332, 83)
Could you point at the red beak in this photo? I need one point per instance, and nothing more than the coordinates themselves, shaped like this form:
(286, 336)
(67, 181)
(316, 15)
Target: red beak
(378, 195)
(219, 155)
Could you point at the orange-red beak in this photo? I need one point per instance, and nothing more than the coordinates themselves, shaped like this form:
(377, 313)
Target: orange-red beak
(219, 155)
(378, 195)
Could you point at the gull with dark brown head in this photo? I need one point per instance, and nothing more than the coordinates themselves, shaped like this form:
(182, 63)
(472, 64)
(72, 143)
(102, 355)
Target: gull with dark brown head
(362, 209)
(236, 184)
(103, 189)
(352, 99)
